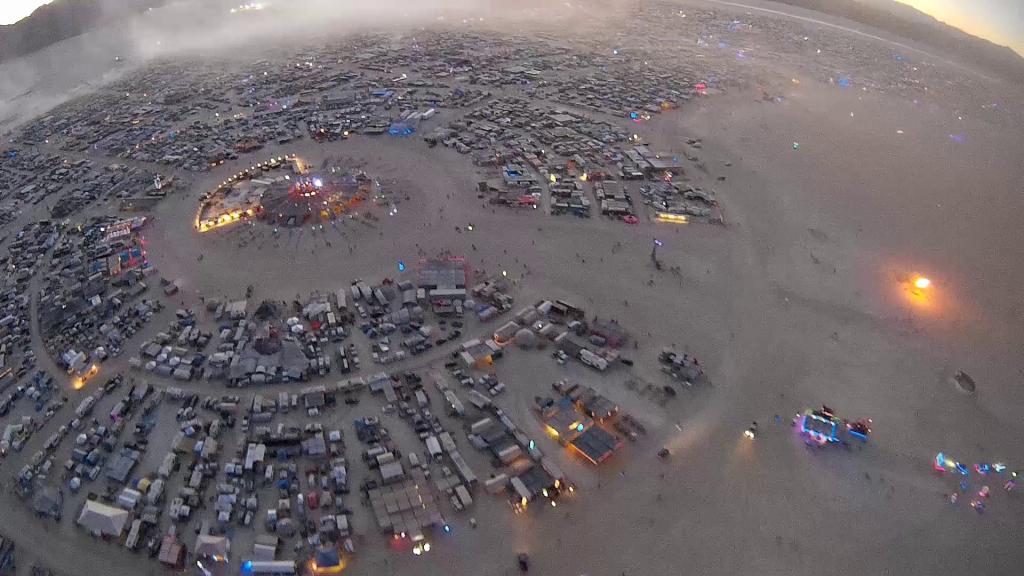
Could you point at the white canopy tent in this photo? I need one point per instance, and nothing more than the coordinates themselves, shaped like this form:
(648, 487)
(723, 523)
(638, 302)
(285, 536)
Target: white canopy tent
(212, 546)
(102, 520)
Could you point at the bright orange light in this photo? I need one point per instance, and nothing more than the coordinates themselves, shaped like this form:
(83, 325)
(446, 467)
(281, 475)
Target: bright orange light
(79, 381)
(918, 290)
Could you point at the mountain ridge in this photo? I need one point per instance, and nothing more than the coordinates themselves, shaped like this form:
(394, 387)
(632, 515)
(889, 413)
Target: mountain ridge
(64, 19)
(909, 23)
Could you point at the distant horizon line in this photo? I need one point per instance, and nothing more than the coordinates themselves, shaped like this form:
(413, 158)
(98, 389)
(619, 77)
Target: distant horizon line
(1018, 50)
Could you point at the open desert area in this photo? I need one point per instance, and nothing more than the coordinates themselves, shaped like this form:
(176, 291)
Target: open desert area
(826, 216)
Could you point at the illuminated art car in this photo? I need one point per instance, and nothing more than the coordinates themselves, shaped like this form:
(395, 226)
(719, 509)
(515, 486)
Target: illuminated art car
(944, 463)
(822, 427)
(818, 427)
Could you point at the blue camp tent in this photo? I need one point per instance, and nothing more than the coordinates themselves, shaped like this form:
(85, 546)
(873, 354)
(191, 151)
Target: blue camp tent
(401, 129)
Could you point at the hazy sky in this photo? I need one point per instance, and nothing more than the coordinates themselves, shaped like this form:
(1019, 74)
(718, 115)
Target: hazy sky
(1001, 21)
(13, 10)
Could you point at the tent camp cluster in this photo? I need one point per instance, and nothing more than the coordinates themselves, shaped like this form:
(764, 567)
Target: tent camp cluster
(97, 294)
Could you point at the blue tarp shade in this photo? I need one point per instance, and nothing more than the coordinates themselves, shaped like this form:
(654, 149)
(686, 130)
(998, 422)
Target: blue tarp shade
(327, 558)
(400, 129)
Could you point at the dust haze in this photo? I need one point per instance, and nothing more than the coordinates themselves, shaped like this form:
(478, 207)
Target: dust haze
(31, 85)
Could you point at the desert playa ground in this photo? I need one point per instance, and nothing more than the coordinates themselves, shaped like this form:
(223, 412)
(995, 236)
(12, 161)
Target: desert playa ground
(834, 201)
(801, 299)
